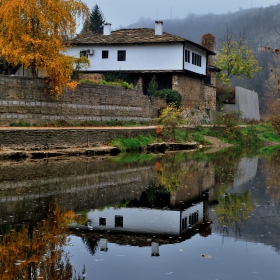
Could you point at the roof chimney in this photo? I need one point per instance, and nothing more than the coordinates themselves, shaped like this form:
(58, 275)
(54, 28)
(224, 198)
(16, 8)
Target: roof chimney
(158, 27)
(107, 29)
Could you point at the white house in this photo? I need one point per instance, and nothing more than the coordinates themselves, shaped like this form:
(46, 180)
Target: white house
(141, 49)
(178, 63)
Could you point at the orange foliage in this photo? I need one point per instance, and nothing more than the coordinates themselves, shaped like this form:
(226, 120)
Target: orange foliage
(36, 250)
(208, 41)
(32, 35)
(158, 130)
(158, 166)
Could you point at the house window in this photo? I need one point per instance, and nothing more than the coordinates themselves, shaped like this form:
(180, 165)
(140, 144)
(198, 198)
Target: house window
(118, 221)
(102, 221)
(105, 54)
(184, 223)
(83, 53)
(193, 218)
(121, 55)
(196, 59)
(187, 56)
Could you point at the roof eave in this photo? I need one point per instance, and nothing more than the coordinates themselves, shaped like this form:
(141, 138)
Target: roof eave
(124, 43)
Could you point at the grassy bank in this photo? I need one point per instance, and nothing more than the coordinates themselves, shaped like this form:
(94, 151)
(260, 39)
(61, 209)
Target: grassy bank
(133, 144)
(252, 136)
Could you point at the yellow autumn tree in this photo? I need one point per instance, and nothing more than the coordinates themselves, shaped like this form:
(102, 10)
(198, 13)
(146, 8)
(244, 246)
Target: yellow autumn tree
(33, 33)
(36, 250)
(235, 58)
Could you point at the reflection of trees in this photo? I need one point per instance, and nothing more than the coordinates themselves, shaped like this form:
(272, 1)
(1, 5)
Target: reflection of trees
(272, 168)
(232, 209)
(206, 229)
(35, 251)
(170, 173)
(91, 244)
(154, 196)
(226, 165)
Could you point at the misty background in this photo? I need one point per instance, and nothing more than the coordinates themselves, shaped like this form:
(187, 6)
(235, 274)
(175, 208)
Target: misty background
(258, 20)
(121, 13)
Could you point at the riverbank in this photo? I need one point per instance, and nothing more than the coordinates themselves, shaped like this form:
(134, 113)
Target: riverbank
(61, 138)
(46, 142)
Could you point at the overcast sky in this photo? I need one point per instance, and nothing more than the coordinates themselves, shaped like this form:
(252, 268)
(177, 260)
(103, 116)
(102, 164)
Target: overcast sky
(125, 12)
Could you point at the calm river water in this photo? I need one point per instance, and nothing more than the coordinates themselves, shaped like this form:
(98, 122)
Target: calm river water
(200, 215)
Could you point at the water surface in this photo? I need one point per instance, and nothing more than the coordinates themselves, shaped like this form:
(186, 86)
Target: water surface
(178, 216)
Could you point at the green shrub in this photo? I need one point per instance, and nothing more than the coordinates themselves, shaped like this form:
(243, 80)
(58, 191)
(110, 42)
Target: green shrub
(86, 81)
(126, 85)
(122, 76)
(171, 118)
(171, 96)
(153, 86)
(229, 119)
(116, 83)
(132, 143)
(21, 124)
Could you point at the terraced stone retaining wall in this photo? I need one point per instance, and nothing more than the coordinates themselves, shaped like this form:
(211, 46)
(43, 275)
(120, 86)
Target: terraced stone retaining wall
(27, 99)
(45, 139)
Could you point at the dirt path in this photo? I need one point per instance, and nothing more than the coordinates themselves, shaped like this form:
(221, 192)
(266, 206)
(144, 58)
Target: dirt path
(217, 144)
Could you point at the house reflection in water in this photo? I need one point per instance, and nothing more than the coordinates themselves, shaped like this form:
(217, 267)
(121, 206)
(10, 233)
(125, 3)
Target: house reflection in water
(137, 225)
(171, 222)
(103, 245)
(155, 249)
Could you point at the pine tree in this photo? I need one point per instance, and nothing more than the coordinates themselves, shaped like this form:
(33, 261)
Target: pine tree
(95, 21)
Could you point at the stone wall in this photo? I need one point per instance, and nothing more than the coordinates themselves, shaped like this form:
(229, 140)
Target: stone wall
(197, 98)
(28, 99)
(209, 95)
(195, 94)
(191, 90)
(48, 138)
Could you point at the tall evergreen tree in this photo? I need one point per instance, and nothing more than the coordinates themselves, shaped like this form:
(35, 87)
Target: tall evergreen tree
(95, 21)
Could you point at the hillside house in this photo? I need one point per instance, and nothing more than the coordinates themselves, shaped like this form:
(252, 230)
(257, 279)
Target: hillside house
(178, 63)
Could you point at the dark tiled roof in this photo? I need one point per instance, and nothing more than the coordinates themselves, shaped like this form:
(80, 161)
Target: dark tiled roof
(126, 36)
(131, 36)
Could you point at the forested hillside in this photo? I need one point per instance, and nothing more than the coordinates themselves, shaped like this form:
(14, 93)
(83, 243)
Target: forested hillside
(261, 27)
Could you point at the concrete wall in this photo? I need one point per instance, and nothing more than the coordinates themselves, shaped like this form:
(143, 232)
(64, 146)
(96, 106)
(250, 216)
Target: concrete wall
(246, 171)
(247, 102)
(28, 99)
